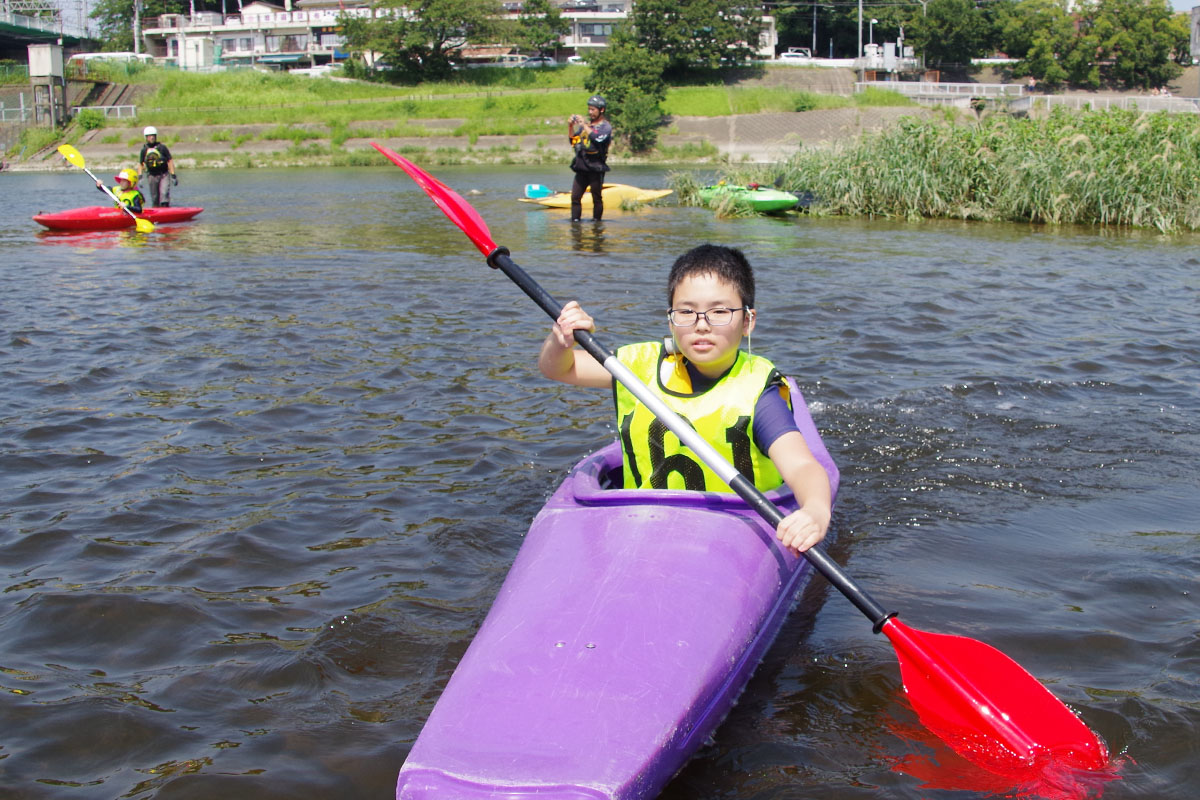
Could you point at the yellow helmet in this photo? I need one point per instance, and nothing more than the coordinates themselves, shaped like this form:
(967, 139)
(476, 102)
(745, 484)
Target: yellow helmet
(127, 175)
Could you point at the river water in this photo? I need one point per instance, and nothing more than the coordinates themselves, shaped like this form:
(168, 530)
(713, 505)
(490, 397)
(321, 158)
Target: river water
(263, 473)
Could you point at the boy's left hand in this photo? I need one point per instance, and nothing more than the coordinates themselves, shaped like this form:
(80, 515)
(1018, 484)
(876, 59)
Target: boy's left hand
(800, 530)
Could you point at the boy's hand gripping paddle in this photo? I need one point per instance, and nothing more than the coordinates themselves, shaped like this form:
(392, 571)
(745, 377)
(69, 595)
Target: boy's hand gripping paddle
(978, 700)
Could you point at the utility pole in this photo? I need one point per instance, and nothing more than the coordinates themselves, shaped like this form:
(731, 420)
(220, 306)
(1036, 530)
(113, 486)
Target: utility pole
(862, 70)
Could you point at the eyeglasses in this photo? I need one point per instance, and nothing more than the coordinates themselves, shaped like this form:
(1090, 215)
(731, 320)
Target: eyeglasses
(717, 317)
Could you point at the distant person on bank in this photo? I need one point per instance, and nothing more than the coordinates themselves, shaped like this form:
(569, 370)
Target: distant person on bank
(590, 137)
(156, 164)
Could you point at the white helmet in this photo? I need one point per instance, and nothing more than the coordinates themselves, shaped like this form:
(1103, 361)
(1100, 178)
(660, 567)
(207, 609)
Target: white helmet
(150, 131)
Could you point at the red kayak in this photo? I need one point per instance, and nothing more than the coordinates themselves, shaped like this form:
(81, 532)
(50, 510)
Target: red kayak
(110, 218)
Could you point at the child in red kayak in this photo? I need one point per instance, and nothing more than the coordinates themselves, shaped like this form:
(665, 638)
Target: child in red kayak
(737, 401)
(126, 191)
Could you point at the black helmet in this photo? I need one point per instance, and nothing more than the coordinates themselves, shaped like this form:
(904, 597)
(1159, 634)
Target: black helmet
(597, 101)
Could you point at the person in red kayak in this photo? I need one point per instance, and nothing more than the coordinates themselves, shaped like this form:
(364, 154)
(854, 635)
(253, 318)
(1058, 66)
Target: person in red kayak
(590, 137)
(126, 190)
(156, 163)
(737, 401)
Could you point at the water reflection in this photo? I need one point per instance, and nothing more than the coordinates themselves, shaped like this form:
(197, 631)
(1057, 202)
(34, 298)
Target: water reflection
(587, 236)
(165, 236)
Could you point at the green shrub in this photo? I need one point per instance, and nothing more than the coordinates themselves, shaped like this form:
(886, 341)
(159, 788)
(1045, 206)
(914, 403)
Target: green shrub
(640, 119)
(91, 119)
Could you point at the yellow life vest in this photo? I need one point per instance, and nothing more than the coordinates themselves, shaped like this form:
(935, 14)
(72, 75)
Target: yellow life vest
(654, 458)
(132, 198)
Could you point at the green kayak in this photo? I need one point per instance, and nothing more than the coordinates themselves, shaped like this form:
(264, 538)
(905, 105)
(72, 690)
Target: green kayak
(756, 197)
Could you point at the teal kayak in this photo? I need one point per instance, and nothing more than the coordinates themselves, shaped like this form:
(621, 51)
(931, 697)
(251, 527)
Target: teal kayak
(757, 197)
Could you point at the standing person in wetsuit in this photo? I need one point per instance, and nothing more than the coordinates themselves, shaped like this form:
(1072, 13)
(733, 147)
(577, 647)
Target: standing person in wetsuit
(155, 161)
(590, 137)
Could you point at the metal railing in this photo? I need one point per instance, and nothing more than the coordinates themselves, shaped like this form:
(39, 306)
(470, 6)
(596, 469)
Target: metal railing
(109, 111)
(930, 89)
(55, 24)
(1171, 105)
(16, 114)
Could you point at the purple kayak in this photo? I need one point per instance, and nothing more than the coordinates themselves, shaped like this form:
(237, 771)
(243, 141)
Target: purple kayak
(628, 625)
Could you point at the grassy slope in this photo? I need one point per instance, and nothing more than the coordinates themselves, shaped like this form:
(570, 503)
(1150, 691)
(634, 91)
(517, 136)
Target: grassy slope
(499, 101)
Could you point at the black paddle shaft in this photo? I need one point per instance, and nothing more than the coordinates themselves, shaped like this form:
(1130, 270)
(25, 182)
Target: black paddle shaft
(500, 259)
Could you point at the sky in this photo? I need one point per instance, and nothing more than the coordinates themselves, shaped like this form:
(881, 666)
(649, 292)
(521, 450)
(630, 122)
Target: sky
(1184, 5)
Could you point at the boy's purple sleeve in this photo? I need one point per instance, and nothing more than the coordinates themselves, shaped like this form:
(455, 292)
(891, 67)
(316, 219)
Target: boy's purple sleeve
(772, 418)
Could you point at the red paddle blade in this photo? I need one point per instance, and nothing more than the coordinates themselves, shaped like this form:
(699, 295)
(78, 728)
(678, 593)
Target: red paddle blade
(988, 709)
(452, 205)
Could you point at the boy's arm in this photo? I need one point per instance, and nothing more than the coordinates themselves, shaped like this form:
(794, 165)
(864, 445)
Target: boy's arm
(807, 479)
(561, 361)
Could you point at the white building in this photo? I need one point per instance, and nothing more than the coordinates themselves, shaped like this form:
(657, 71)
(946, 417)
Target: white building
(306, 33)
(303, 34)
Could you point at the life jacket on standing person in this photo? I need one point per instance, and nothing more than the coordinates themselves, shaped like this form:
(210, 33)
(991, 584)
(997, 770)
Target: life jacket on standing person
(155, 156)
(591, 144)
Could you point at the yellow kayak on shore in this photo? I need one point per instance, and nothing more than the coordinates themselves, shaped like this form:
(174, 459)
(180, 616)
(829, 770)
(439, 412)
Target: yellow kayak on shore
(614, 195)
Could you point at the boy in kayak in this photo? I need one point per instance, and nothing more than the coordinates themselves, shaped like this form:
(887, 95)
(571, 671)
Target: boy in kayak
(126, 190)
(736, 401)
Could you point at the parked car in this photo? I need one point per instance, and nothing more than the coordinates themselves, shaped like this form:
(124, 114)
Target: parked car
(540, 61)
(797, 55)
(576, 60)
(316, 71)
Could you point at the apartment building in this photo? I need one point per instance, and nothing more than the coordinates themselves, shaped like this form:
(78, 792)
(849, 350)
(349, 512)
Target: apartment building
(305, 33)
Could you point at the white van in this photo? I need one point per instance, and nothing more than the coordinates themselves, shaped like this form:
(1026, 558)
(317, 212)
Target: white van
(117, 57)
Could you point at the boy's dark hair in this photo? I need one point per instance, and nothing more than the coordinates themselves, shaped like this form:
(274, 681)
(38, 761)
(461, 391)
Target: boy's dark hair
(727, 263)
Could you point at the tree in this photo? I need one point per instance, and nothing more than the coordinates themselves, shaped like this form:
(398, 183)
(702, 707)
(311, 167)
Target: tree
(697, 32)
(1133, 43)
(540, 26)
(951, 32)
(419, 38)
(1139, 41)
(1038, 32)
(631, 79)
(115, 19)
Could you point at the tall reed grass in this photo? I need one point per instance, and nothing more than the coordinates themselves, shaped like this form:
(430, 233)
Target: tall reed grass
(1106, 168)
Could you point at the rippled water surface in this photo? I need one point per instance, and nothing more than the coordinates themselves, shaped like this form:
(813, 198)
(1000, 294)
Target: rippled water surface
(262, 475)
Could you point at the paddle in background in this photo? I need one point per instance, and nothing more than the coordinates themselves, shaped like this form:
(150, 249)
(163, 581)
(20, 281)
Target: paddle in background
(75, 157)
(536, 191)
(975, 699)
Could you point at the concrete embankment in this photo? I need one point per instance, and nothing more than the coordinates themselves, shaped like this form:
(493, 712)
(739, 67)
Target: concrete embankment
(766, 137)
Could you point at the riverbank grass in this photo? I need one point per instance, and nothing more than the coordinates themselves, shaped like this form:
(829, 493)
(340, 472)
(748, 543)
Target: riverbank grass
(1107, 168)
